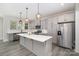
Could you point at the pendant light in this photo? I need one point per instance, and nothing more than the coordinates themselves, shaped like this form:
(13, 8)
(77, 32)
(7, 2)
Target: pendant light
(26, 19)
(20, 21)
(38, 15)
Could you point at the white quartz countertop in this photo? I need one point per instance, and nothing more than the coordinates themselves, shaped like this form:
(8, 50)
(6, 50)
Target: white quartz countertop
(41, 38)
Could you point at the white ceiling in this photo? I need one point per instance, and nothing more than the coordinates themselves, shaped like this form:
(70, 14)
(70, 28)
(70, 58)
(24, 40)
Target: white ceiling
(13, 9)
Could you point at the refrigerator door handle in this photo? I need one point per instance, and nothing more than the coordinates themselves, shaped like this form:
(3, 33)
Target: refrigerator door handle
(59, 33)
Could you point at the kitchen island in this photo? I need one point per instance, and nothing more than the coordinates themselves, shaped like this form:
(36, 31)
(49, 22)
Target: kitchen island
(12, 34)
(40, 45)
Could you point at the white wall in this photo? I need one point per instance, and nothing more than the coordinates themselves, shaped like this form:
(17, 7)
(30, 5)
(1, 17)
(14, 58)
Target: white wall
(1, 28)
(77, 27)
(6, 26)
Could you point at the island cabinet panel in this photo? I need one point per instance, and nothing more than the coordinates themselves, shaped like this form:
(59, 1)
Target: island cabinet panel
(42, 48)
(48, 47)
(22, 41)
(27, 43)
(38, 48)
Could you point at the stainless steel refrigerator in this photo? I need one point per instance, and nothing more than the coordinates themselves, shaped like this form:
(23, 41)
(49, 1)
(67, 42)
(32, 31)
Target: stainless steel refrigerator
(66, 34)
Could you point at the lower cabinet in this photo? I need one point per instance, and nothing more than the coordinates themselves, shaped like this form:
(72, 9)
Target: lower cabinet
(38, 48)
(27, 43)
(22, 41)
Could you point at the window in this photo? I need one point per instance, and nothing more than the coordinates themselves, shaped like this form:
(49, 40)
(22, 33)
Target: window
(13, 25)
(26, 25)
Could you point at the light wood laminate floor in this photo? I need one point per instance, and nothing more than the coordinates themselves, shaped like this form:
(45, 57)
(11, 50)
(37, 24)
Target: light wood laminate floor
(15, 49)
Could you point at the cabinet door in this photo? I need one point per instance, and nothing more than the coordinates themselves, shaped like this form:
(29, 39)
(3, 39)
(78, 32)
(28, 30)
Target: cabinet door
(43, 24)
(54, 29)
(28, 43)
(38, 48)
(49, 27)
(61, 18)
(22, 41)
(69, 17)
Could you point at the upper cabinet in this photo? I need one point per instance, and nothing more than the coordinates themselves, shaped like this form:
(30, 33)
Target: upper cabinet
(44, 24)
(61, 18)
(69, 17)
(66, 17)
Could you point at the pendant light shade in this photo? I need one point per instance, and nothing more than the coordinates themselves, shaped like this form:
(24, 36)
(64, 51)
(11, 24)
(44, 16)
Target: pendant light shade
(20, 21)
(26, 19)
(38, 15)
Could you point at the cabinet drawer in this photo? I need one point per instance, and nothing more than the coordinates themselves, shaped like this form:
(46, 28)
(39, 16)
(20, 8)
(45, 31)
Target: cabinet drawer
(69, 17)
(61, 18)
